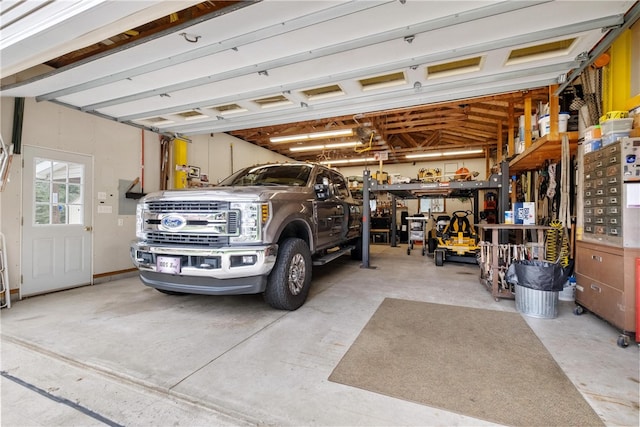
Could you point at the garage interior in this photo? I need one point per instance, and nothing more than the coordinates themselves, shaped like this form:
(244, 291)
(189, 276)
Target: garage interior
(429, 108)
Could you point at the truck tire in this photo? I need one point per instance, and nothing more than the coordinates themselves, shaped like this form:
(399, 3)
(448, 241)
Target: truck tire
(289, 282)
(356, 253)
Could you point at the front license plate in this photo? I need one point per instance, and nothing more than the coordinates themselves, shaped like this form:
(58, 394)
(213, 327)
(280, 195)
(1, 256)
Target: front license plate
(167, 264)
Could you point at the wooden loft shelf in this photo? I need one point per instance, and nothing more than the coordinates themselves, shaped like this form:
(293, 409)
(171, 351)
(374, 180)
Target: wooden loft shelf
(540, 150)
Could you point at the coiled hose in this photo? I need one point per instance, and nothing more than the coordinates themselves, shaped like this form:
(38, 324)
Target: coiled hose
(564, 250)
(553, 237)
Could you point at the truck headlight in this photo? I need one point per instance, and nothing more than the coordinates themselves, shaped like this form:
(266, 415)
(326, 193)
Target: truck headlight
(250, 224)
(140, 220)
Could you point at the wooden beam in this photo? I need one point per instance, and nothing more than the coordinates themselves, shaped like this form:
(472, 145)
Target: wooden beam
(554, 106)
(511, 150)
(499, 144)
(527, 121)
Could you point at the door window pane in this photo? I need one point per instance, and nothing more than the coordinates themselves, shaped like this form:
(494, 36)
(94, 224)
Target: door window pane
(59, 193)
(58, 188)
(75, 214)
(59, 172)
(59, 214)
(43, 169)
(43, 192)
(42, 214)
(73, 195)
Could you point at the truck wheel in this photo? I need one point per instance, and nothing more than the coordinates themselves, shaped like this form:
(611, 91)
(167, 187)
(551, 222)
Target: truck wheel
(356, 253)
(289, 281)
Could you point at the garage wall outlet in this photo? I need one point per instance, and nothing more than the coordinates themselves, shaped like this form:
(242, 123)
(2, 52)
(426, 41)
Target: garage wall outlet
(120, 222)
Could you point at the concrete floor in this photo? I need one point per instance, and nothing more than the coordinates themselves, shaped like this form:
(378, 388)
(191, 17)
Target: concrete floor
(123, 354)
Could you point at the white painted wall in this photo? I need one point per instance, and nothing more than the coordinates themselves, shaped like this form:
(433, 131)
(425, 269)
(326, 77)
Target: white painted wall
(116, 149)
(220, 155)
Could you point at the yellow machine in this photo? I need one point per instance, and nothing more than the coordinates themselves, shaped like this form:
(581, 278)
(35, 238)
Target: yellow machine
(458, 241)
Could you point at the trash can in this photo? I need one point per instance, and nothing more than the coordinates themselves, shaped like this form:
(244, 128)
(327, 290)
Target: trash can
(537, 285)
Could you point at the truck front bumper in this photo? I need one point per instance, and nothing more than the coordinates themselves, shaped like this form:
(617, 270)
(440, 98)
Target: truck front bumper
(210, 271)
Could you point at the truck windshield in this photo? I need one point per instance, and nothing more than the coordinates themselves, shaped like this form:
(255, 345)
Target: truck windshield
(296, 175)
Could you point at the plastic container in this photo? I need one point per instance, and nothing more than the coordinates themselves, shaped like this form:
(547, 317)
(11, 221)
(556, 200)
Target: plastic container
(568, 293)
(534, 126)
(544, 123)
(593, 145)
(592, 132)
(611, 137)
(616, 125)
(614, 115)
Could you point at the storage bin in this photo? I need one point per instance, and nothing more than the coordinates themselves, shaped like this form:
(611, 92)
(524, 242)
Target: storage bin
(614, 115)
(592, 132)
(593, 145)
(534, 127)
(616, 125)
(544, 123)
(611, 137)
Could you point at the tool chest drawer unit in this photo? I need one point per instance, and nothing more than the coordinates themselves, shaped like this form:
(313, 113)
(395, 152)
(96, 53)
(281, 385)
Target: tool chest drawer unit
(607, 249)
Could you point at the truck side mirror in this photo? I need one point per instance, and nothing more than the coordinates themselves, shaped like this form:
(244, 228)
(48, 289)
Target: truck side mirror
(322, 191)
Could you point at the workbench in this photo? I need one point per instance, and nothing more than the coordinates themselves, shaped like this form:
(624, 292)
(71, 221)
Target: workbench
(490, 279)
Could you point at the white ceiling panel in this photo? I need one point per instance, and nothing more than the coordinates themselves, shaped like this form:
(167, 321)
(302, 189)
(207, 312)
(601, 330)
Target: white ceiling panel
(259, 49)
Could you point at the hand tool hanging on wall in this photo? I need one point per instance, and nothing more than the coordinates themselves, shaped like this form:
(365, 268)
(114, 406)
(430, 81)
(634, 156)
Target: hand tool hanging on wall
(551, 190)
(564, 214)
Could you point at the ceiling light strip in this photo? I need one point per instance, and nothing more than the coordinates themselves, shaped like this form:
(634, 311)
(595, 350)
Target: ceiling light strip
(348, 161)
(313, 135)
(325, 146)
(467, 16)
(444, 154)
(431, 58)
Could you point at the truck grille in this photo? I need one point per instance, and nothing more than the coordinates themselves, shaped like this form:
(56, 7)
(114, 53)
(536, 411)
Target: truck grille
(161, 206)
(159, 237)
(207, 223)
(232, 222)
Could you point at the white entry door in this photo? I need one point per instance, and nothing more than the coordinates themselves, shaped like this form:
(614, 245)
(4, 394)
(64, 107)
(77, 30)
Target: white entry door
(56, 226)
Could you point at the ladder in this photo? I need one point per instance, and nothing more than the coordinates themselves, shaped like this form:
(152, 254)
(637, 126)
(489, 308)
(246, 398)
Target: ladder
(6, 153)
(5, 292)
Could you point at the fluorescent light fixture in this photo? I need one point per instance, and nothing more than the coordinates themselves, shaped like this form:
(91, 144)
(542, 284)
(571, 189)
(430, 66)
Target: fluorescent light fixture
(307, 148)
(444, 154)
(326, 146)
(314, 135)
(348, 161)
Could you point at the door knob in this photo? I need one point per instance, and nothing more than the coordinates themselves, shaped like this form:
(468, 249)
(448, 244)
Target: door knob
(88, 228)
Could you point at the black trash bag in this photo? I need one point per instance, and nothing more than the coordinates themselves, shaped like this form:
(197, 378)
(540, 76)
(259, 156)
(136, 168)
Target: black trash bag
(538, 275)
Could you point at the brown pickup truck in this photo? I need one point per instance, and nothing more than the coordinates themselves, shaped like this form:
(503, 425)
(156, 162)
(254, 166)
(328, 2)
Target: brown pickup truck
(259, 231)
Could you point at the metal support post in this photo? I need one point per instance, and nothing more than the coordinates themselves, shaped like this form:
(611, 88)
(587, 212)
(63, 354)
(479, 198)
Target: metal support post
(393, 221)
(503, 200)
(366, 217)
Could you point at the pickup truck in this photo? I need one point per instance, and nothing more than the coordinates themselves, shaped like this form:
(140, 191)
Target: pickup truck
(258, 231)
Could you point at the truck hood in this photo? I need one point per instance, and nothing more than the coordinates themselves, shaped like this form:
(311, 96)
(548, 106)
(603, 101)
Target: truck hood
(256, 193)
